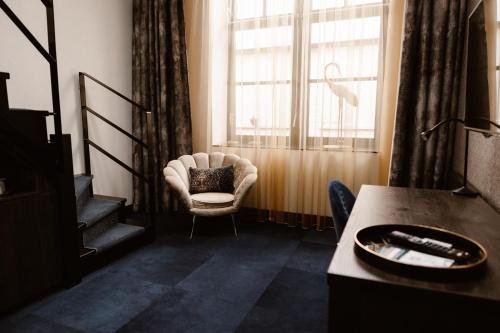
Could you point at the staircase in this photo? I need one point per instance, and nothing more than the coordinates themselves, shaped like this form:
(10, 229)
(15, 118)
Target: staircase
(39, 234)
(94, 224)
(104, 229)
(101, 220)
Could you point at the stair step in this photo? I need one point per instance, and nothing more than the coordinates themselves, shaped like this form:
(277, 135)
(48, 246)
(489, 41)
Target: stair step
(86, 252)
(81, 184)
(31, 112)
(107, 197)
(96, 209)
(114, 235)
(101, 226)
(122, 201)
(141, 222)
(31, 123)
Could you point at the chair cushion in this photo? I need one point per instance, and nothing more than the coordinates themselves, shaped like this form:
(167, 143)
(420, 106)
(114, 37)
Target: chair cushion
(212, 200)
(211, 180)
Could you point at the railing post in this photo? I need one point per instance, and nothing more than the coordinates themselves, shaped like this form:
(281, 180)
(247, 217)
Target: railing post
(145, 179)
(47, 3)
(4, 97)
(151, 171)
(68, 220)
(85, 127)
(54, 79)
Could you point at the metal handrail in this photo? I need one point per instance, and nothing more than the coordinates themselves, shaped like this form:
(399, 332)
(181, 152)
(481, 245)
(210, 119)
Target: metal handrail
(47, 3)
(116, 160)
(26, 32)
(51, 57)
(85, 109)
(65, 191)
(118, 128)
(113, 91)
(87, 142)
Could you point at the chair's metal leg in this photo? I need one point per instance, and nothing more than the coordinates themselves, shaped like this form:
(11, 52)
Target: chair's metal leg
(192, 228)
(234, 226)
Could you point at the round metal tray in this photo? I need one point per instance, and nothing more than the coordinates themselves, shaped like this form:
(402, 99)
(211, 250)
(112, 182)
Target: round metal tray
(368, 238)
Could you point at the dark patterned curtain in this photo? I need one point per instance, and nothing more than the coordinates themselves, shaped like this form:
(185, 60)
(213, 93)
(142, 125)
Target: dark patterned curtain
(160, 82)
(429, 92)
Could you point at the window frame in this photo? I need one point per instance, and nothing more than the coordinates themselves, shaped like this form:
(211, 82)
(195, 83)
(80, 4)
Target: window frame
(497, 62)
(293, 141)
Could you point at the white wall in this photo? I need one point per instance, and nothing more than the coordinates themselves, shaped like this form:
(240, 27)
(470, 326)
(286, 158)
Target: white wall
(93, 36)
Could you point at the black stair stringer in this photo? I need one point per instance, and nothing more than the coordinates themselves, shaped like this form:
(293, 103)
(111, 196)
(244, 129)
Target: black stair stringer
(4, 99)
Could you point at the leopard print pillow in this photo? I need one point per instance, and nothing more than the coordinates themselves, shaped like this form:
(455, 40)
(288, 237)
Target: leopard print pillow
(211, 180)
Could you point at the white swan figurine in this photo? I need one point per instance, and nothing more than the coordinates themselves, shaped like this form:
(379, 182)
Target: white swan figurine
(339, 89)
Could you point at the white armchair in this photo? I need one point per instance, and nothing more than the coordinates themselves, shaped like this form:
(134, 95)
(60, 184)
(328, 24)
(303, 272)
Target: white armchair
(211, 203)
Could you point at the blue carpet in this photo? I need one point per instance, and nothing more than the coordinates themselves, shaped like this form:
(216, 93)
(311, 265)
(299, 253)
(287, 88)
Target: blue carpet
(272, 278)
(34, 324)
(311, 257)
(102, 304)
(295, 301)
(231, 280)
(158, 263)
(184, 311)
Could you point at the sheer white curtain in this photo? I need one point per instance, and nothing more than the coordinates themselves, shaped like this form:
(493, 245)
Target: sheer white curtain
(496, 22)
(295, 86)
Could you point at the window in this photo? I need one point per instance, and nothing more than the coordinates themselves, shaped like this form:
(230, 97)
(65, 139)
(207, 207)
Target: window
(278, 53)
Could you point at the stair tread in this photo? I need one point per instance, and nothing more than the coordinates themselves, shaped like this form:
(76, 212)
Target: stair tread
(107, 197)
(81, 183)
(86, 252)
(95, 209)
(32, 112)
(137, 222)
(114, 235)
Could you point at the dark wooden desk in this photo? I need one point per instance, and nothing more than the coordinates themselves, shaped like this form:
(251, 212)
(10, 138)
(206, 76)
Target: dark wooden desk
(367, 299)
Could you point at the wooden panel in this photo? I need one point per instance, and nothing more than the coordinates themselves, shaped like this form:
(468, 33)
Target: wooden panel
(32, 124)
(38, 225)
(30, 253)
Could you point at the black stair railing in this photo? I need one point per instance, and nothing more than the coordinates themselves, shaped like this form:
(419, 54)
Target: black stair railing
(66, 207)
(26, 147)
(51, 57)
(87, 142)
(4, 99)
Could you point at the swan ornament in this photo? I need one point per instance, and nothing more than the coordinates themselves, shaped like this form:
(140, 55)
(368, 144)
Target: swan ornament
(339, 89)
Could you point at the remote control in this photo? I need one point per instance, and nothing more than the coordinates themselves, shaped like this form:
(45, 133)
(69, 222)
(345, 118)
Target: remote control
(428, 245)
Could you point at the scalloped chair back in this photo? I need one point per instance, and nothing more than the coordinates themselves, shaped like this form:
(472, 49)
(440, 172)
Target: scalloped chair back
(212, 203)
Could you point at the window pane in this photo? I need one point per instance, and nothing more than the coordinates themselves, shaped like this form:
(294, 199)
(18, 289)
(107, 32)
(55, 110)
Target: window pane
(263, 107)
(266, 37)
(353, 61)
(259, 66)
(279, 7)
(498, 45)
(324, 111)
(248, 9)
(262, 49)
(324, 4)
(498, 61)
(362, 2)
(345, 30)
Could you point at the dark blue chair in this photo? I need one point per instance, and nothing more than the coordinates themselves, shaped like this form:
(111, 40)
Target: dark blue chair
(341, 201)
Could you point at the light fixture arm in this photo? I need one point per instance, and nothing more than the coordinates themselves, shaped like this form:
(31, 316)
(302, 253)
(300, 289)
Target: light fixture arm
(464, 190)
(425, 135)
